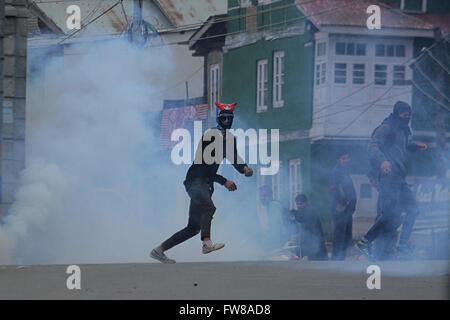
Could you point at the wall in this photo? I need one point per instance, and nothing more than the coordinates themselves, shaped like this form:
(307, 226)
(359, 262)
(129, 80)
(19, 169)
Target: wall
(13, 107)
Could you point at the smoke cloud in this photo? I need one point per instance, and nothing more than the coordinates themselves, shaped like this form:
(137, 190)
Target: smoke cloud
(96, 188)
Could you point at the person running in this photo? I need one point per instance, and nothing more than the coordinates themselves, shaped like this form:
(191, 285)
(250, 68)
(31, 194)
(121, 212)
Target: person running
(199, 183)
(388, 154)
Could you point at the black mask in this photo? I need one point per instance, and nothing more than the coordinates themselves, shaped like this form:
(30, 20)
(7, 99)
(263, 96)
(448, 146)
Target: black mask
(404, 121)
(225, 120)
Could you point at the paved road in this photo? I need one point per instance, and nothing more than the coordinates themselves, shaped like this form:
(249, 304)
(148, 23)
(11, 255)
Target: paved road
(230, 280)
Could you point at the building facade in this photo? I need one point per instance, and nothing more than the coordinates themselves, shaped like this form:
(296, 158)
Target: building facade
(267, 69)
(313, 70)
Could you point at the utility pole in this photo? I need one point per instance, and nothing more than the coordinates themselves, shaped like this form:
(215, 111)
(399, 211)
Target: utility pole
(138, 31)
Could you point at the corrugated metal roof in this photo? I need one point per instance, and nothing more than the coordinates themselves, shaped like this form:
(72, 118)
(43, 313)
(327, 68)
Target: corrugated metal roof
(353, 13)
(112, 22)
(164, 15)
(37, 14)
(186, 12)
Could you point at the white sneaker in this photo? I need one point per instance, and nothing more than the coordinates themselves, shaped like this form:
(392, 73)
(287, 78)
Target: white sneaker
(160, 256)
(215, 246)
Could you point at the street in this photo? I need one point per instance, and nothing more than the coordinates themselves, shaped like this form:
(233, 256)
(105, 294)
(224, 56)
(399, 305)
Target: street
(230, 280)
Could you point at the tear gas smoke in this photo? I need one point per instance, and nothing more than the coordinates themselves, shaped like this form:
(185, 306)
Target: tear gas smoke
(96, 188)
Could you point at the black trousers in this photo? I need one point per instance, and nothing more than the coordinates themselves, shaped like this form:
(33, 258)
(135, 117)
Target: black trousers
(342, 233)
(201, 211)
(395, 197)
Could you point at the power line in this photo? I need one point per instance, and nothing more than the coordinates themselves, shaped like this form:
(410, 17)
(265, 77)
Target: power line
(96, 18)
(193, 24)
(179, 83)
(430, 81)
(364, 111)
(124, 14)
(435, 59)
(430, 97)
(241, 16)
(371, 83)
(360, 105)
(266, 26)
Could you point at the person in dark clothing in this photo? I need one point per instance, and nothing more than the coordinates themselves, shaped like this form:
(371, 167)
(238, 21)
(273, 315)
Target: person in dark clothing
(343, 206)
(199, 183)
(388, 153)
(312, 240)
(384, 245)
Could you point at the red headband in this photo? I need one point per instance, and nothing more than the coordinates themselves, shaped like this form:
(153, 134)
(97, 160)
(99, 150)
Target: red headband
(229, 107)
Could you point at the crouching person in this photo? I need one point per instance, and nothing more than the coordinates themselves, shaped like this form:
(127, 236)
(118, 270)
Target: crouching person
(312, 240)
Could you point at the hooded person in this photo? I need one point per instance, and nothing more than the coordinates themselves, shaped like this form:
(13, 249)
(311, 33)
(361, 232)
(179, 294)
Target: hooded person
(312, 239)
(225, 116)
(199, 183)
(388, 152)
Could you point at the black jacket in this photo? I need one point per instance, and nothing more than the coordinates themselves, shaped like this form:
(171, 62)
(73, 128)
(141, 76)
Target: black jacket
(342, 189)
(390, 142)
(201, 168)
(312, 240)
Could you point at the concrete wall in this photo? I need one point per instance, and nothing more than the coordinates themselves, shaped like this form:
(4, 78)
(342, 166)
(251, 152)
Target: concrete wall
(13, 106)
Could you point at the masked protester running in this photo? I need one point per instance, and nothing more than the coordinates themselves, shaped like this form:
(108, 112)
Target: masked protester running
(216, 145)
(388, 154)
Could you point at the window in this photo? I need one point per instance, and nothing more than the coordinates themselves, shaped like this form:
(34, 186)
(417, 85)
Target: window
(295, 181)
(317, 74)
(276, 184)
(400, 51)
(278, 78)
(414, 5)
(340, 73)
(340, 48)
(390, 50)
(360, 49)
(379, 50)
(358, 73)
(399, 75)
(350, 48)
(213, 86)
(321, 49)
(321, 73)
(261, 90)
(380, 74)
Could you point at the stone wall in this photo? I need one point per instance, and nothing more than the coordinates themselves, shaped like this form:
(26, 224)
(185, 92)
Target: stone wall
(12, 118)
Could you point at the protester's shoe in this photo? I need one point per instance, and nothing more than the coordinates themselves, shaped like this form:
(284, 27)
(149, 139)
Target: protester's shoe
(160, 256)
(212, 247)
(365, 248)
